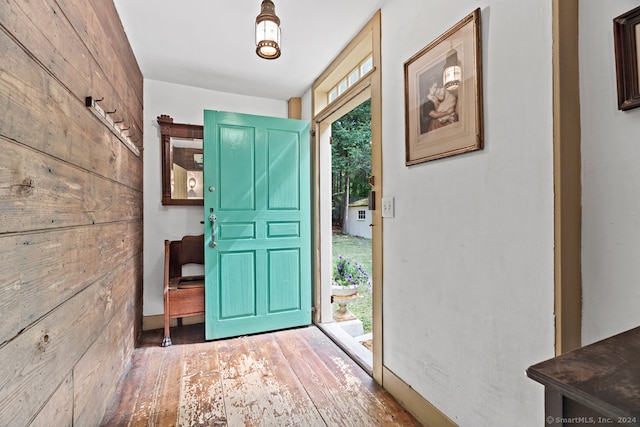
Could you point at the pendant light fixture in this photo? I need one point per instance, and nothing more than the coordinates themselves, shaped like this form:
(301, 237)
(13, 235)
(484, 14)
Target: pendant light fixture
(268, 31)
(452, 72)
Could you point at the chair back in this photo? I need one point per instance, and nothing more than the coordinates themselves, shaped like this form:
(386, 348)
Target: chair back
(189, 250)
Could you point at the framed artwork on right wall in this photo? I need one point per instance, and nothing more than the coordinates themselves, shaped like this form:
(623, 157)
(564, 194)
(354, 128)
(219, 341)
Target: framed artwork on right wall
(626, 35)
(443, 95)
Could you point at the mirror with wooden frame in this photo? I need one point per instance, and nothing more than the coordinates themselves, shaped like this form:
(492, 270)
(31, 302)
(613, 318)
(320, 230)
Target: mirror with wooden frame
(182, 165)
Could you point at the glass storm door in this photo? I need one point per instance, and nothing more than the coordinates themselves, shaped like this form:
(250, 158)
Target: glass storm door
(257, 224)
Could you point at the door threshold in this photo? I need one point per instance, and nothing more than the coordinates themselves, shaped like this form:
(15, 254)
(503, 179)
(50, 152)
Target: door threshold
(359, 353)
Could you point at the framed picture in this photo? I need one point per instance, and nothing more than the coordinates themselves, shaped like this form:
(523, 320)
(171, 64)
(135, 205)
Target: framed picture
(443, 95)
(626, 35)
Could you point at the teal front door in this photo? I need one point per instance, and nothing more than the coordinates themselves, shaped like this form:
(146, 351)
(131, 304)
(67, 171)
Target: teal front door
(257, 224)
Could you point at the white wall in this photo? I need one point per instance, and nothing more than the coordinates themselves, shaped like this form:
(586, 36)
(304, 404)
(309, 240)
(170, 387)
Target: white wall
(186, 105)
(468, 257)
(610, 182)
(359, 227)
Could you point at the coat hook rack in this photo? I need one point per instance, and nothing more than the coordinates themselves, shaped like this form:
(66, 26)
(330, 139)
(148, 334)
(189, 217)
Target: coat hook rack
(103, 116)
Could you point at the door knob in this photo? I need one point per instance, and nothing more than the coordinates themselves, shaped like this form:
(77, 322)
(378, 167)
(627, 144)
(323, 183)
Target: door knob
(212, 220)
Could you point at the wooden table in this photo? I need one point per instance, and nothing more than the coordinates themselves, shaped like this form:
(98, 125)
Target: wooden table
(598, 384)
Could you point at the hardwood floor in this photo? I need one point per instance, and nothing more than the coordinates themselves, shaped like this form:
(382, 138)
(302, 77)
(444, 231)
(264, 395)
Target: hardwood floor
(297, 377)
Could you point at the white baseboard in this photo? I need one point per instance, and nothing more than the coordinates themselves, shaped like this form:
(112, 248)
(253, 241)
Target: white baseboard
(413, 402)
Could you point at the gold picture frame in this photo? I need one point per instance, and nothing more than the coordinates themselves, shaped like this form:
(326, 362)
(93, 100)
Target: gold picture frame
(626, 34)
(442, 122)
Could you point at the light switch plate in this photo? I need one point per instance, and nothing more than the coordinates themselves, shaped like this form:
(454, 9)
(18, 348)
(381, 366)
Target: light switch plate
(388, 210)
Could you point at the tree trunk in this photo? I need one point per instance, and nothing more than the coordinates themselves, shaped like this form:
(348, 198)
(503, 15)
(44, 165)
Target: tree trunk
(345, 217)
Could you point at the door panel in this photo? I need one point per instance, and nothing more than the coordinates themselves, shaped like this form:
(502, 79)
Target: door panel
(258, 276)
(283, 170)
(236, 165)
(284, 280)
(237, 284)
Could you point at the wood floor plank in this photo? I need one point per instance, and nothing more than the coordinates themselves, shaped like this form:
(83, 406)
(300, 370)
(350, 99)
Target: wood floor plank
(287, 389)
(260, 389)
(124, 402)
(297, 377)
(337, 405)
(167, 400)
(147, 396)
(375, 399)
(201, 396)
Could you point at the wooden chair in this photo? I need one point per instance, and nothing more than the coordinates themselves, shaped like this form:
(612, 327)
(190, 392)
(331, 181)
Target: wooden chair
(183, 295)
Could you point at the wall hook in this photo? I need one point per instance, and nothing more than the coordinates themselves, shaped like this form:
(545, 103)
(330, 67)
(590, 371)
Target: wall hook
(111, 124)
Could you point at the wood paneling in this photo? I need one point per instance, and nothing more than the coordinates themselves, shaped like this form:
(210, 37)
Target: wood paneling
(94, 376)
(36, 279)
(63, 29)
(42, 192)
(39, 112)
(35, 360)
(70, 211)
(58, 411)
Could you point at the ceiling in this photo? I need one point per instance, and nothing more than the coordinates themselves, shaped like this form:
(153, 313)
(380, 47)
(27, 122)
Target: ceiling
(211, 44)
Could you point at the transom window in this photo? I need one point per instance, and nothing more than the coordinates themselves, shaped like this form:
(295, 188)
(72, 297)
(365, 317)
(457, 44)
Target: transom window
(356, 74)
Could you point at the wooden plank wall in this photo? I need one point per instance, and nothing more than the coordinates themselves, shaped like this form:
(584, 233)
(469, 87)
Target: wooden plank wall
(70, 211)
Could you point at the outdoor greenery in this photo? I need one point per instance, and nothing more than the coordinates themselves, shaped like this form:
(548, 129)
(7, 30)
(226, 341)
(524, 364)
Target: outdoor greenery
(358, 250)
(351, 157)
(351, 168)
(349, 273)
